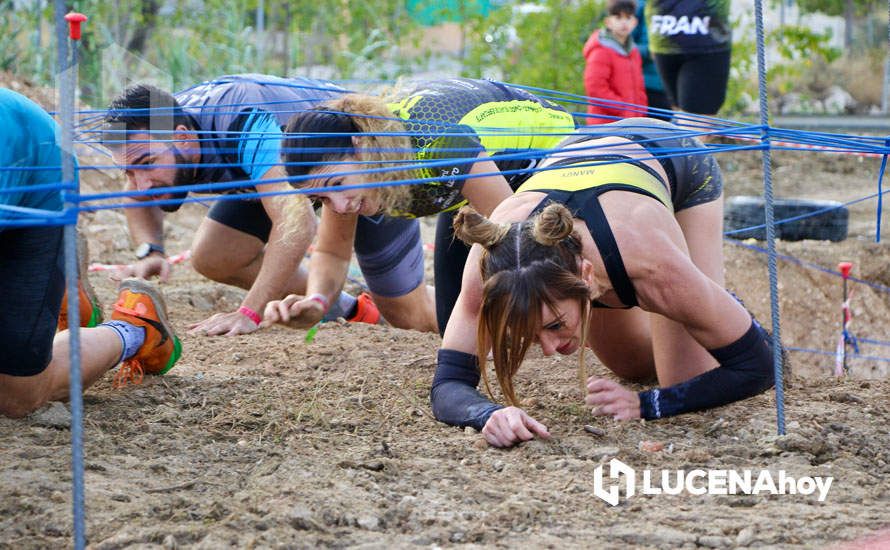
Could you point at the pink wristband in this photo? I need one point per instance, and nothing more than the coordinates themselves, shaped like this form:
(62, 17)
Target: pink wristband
(250, 314)
(321, 299)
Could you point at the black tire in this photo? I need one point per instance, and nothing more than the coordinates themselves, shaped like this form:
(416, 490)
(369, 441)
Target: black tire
(830, 224)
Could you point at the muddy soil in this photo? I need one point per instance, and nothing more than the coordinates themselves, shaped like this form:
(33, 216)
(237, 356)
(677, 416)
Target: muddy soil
(269, 441)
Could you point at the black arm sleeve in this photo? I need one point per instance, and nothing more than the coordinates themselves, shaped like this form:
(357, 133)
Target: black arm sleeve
(454, 396)
(746, 369)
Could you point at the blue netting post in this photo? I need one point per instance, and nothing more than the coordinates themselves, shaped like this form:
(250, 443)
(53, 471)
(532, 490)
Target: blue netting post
(68, 85)
(770, 219)
(880, 209)
(59, 10)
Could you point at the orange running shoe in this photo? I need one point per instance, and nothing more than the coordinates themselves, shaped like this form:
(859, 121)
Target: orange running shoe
(365, 310)
(89, 308)
(139, 304)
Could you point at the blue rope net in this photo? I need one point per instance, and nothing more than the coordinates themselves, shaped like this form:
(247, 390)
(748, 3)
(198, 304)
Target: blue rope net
(738, 136)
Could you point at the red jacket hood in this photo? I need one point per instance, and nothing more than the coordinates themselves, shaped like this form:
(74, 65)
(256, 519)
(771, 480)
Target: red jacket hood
(592, 42)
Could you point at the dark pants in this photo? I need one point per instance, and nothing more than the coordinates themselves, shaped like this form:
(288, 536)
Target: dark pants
(659, 104)
(32, 275)
(449, 261)
(696, 83)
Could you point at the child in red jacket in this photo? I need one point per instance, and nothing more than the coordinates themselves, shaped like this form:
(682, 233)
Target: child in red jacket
(614, 70)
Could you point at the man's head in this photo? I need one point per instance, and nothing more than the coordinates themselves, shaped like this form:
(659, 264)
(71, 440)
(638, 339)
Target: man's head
(621, 19)
(152, 139)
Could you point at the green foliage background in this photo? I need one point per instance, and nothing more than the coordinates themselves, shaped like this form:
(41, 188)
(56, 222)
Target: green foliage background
(177, 44)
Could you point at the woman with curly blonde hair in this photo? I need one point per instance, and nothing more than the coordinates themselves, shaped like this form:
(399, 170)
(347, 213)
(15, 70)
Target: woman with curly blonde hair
(453, 140)
(615, 245)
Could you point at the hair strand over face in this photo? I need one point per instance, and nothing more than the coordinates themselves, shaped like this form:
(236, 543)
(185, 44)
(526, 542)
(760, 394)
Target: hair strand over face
(525, 267)
(382, 144)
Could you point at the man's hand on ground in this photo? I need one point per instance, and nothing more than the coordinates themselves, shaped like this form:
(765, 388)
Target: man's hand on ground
(150, 266)
(228, 324)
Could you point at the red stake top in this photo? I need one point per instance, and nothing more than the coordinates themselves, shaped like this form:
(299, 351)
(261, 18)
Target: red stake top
(845, 268)
(74, 20)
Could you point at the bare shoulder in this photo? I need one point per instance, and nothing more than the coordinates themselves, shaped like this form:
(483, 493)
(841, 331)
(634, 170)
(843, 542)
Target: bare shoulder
(517, 208)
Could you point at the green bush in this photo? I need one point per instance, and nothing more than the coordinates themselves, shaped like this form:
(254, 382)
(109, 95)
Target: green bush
(540, 48)
(177, 44)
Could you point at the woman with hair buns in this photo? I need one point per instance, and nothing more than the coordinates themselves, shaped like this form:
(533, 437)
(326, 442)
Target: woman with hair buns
(459, 134)
(624, 258)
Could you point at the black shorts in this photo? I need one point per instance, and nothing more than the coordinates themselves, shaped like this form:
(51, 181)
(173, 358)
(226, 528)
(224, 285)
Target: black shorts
(245, 215)
(696, 83)
(32, 275)
(693, 179)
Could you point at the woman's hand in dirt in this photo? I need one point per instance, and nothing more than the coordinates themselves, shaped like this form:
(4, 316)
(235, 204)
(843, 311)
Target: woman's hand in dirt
(608, 398)
(507, 427)
(144, 268)
(228, 324)
(294, 311)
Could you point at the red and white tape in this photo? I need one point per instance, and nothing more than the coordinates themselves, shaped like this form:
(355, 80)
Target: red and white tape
(174, 259)
(185, 256)
(807, 146)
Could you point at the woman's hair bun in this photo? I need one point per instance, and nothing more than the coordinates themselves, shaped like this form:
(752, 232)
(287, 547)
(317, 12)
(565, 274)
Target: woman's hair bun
(553, 224)
(473, 228)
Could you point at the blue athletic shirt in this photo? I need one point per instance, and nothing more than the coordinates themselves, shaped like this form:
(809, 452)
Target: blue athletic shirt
(242, 117)
(28, 138)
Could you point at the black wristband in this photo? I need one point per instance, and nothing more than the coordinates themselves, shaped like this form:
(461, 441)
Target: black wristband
(145, 249)
(745, 370)
(458, 366)
(453, 396)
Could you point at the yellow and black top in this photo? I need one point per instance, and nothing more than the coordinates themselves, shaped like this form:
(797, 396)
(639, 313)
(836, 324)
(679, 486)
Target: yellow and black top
(577, 182)
(458, 119)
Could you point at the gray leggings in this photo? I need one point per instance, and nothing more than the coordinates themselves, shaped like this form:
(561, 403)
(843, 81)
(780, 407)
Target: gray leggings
(389, 250)
(390, 254)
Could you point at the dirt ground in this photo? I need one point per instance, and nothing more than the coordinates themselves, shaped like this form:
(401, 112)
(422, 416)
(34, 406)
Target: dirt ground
(268, 441)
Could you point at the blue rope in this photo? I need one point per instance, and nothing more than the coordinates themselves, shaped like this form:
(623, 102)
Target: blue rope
(874, 342)
(241, 184)
(665, 153)
(879, 213)
(832, 353)
(817, 267)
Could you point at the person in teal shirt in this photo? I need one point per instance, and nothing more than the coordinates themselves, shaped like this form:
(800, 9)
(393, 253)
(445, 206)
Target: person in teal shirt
(655, 93)
(34, 362)
(30, 156)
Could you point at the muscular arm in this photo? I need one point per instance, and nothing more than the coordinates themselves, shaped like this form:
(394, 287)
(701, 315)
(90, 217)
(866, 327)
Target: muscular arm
(674, 287)
(293, 222)
(146, 224)
(327, 273)
(484, 193)
(333, 251)
(454, 397)
(715, 319)
(293, 229)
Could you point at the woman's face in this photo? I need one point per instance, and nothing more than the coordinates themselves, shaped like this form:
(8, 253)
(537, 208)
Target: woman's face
(352, 201)
(560, 330)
